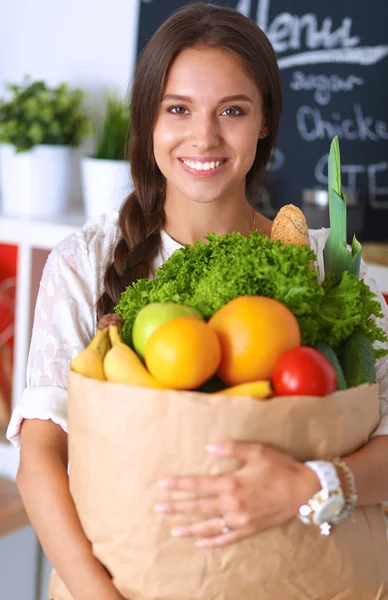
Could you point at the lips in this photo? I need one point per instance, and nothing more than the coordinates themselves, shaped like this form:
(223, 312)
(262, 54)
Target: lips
(203, 169)
(204, 164)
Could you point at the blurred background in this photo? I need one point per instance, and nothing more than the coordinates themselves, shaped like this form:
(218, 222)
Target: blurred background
(66, 72)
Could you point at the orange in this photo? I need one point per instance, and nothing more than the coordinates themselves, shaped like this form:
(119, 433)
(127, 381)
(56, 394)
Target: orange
(183, 353)
(254, 332)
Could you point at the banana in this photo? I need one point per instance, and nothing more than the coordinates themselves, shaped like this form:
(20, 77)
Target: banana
(259, 390)
(122, 364)
(89, 362)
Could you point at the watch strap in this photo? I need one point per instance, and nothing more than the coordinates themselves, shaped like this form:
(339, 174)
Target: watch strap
(326, 473)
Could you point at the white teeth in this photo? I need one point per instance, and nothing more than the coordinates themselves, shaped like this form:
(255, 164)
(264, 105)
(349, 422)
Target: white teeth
(198, 166)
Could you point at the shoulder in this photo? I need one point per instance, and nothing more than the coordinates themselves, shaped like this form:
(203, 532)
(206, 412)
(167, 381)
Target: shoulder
(95, 241)
(263, 224)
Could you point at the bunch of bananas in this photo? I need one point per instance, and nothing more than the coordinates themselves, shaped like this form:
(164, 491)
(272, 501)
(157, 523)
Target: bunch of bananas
(108, 358)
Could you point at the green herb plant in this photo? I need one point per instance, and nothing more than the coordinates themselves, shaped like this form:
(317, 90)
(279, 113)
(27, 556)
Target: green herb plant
(113, 138)
(34, 113)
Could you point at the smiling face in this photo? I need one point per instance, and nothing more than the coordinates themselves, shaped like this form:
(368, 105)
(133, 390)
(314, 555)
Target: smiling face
(208, 125)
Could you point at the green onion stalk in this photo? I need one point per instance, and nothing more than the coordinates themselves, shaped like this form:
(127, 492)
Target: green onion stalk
(337, 256)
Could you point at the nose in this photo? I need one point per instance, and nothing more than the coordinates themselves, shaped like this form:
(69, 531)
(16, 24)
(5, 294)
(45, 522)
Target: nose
(205, 132)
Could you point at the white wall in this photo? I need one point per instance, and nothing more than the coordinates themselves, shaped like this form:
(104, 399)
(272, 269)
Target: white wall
(89, 43)
(92, 45)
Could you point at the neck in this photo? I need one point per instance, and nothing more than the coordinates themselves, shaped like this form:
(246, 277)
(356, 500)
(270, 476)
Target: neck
(191, 221)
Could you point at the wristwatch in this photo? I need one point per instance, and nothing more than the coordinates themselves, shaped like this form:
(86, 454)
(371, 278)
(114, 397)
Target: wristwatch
(326, 505)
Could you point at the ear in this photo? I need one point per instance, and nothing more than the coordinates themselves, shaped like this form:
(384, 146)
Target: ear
(264, 131)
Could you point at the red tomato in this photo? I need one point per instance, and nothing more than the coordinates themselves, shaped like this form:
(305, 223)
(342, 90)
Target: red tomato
(303, 371)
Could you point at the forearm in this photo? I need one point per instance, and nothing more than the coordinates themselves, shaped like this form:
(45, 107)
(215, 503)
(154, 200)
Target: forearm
(370, 468)
(43, 484)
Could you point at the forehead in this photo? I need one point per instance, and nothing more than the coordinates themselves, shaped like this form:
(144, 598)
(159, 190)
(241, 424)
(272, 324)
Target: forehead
(208, 70)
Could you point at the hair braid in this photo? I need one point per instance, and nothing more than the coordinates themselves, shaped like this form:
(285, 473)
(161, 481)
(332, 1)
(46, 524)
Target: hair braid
(133, 254)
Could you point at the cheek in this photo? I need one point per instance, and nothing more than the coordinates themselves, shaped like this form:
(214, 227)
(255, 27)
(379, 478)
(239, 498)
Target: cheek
(247, 146)
(164, 136)
(159, 144)
(164, 141)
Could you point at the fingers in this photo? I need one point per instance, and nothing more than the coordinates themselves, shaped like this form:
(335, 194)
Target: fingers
(203, 506)
(223, 540)
(203, 484)
(244, 451)
(213, 505)
(209, 533)
(217, 484)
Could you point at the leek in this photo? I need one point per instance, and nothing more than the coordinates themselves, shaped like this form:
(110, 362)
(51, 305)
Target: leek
(337, 257)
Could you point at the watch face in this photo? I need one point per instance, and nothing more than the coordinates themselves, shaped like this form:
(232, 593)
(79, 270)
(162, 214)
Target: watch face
(330, 508)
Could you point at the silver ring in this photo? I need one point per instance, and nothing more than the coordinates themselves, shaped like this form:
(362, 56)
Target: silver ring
(224, 527)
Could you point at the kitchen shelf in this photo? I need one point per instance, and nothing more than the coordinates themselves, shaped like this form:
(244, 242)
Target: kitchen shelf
(39, 233)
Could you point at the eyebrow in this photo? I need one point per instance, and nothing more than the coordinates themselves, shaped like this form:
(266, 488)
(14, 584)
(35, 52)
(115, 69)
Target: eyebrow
(235, 98)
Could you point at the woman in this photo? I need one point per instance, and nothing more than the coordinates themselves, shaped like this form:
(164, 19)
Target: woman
(205, 113)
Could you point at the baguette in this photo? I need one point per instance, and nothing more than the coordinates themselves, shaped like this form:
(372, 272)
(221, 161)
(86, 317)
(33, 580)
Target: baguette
(290, 226)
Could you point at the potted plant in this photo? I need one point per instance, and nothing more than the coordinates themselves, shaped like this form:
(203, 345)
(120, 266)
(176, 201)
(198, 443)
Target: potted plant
(106, 178)
(38, 127)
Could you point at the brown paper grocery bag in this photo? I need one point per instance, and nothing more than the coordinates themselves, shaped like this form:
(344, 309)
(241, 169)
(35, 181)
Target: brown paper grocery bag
(123, 439)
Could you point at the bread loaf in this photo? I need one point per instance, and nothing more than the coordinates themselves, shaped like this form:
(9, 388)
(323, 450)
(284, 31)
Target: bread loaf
(290, 226)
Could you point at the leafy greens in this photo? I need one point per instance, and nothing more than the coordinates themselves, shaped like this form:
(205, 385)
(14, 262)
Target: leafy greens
(208, 275)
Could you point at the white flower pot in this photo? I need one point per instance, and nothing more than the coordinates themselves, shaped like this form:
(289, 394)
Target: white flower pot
(105, 184)
(35, 183)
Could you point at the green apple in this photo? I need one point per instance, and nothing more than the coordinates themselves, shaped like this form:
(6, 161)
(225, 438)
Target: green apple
(152, 316)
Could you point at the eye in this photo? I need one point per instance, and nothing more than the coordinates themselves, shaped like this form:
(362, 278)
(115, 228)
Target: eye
(177, 110)
(233, 111)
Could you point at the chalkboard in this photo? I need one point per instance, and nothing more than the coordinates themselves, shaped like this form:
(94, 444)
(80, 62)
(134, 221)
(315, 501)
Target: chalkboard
(333, 59)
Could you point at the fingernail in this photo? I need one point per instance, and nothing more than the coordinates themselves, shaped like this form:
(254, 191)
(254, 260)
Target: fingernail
(200, 543)
(163, 483)
(176, 532)
(214, 448)
(160, 508)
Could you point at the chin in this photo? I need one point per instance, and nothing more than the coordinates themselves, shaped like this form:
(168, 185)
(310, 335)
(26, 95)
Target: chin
(203, 200)
(204, 196)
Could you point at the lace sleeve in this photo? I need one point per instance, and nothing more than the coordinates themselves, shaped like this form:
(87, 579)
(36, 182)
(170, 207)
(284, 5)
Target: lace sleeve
(64, 322)
(382, 363)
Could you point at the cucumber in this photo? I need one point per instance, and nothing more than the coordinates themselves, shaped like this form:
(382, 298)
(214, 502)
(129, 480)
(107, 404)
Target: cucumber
(332, 357)
(358, 360)
(212, 385)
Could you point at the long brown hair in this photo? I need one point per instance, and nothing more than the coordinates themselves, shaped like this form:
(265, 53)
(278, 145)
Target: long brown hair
(142, 215)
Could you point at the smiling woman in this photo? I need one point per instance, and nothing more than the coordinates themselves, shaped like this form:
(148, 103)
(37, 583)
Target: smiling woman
(205, 139)
(205, 113)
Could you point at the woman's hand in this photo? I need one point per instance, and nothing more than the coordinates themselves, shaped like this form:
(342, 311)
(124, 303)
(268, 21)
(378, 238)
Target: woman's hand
(267, 489)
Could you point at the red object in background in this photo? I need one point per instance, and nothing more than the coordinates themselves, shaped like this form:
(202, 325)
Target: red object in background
(8, 266)
(303, 371)
(386, 298)
(8, 261)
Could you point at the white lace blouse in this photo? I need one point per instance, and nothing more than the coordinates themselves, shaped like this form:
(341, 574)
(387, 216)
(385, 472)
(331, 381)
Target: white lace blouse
(65, 318)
